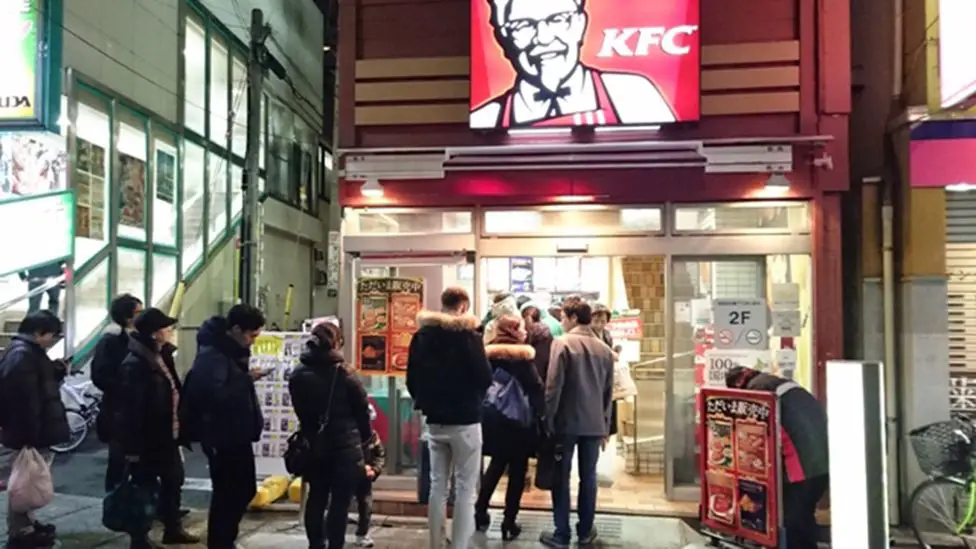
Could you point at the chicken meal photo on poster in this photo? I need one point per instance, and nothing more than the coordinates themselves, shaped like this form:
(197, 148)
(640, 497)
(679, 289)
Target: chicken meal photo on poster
(565, 63)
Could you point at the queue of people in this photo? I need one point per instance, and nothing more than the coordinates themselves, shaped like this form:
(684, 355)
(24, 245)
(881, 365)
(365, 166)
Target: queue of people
(568, 386)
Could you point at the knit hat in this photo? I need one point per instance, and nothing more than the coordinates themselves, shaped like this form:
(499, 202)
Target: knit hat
(152, 320)
(508, 329)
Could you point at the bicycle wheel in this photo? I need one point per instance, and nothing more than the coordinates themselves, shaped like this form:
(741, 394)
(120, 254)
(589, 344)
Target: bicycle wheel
(941, 511)
(78, 431)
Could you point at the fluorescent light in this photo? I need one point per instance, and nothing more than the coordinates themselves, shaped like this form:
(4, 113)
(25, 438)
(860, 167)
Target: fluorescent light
(326, 48)
(960, 187)
(575, 198)
(620, 129)
(372, 189)
(540, 131)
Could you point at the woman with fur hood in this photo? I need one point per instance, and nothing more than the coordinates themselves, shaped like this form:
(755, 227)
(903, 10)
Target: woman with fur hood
(509, 444)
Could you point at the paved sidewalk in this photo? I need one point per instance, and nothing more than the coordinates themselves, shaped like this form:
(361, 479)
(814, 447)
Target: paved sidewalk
(78, 519)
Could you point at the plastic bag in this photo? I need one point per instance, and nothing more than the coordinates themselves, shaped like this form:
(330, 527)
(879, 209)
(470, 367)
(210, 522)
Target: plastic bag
(30, 483)
(623, 382)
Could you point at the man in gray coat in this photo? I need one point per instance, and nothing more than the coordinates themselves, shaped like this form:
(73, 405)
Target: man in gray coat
(579, 398)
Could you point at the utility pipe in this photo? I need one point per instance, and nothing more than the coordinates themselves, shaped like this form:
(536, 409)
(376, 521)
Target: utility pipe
(289, 295)
(892, 397)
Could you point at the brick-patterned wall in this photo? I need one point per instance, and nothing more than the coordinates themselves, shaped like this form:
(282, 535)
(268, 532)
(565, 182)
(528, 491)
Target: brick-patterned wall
(644, 283)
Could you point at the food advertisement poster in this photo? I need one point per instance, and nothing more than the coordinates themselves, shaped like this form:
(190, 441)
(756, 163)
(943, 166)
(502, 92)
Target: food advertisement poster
(740, 469)
(386, 319)
(277, 354)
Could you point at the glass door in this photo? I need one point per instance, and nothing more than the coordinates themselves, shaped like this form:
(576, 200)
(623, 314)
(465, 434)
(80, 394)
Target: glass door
(397, 423)
(694, 284)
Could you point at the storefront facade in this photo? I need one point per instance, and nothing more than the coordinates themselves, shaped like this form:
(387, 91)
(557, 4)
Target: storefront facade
(151, 147)
(731, 189)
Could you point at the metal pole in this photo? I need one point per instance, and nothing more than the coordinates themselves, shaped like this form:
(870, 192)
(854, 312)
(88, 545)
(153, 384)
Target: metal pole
(249, 186)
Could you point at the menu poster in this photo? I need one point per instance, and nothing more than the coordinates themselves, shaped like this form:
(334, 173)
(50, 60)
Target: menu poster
(386, 319)
(521, 274)
(740, 471)
(278, 353)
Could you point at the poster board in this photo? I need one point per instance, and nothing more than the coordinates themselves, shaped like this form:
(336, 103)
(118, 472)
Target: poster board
(740, 471)
(279, 353)
(386, 319)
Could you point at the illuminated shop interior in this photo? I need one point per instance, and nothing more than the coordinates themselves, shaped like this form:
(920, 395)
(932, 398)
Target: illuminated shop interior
(636, 263)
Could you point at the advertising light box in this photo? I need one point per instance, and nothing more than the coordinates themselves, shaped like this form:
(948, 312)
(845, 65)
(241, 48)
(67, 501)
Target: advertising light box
(50, 219)
(957, 42)
(566, 63)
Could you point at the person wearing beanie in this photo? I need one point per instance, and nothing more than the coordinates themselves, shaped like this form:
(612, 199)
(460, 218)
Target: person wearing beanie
(504, 304)
(148, 429)
(509, 443)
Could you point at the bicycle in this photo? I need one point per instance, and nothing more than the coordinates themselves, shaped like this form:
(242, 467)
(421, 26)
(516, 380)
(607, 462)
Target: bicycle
(82, 403)
(943, 507)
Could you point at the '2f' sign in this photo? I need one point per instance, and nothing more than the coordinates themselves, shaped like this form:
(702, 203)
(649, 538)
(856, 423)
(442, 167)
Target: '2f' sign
(739, 318)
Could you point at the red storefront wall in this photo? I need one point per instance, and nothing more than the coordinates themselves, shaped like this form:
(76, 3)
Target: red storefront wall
(771, 70)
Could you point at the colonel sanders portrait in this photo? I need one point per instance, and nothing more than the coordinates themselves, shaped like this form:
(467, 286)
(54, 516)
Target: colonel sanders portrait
(543, 39)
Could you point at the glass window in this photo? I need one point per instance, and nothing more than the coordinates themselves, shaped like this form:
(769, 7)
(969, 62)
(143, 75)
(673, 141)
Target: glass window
(743, 217)
(239, 107)
(195, 75)
(131, 144)
(91, 176)
(573, 221)
(236, 192)
(280, 125)
(217, 180)
(164, 202)
(193, 204)
(398, 221)
(164, 277)
(219, 109)
(91, 301)
(131, 272)
(695, 285)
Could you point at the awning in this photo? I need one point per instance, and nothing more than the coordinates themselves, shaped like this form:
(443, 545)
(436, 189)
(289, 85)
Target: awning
(942, 153)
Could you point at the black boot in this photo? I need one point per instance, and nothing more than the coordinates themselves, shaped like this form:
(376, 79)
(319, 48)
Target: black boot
(179, 536)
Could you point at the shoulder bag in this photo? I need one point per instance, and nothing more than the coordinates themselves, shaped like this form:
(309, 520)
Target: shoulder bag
(300, 453)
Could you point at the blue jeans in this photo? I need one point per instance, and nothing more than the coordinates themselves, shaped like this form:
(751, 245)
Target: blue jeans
(589, 451)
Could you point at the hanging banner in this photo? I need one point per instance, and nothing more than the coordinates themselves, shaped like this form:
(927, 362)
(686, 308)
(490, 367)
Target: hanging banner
(277, 354)
(386, 319)
(740, 489)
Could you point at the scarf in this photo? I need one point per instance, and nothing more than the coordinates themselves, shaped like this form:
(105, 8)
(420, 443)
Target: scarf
(174, 395)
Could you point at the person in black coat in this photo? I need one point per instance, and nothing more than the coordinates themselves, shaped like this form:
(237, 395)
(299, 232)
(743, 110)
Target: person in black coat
(31, 408)
(539, 336)
(509, 444)
(323, 391)
(220, 410)
(110, 351)
(148, 429)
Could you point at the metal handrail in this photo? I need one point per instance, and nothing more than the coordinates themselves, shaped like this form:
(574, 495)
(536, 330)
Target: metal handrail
(661, 359)
(50, 283)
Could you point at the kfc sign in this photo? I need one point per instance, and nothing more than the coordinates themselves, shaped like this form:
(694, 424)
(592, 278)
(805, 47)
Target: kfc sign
(564, 63)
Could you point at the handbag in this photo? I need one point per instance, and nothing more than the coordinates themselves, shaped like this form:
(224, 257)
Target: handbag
(30, 486)
(300, 450)
(130, 507)
(506, 397)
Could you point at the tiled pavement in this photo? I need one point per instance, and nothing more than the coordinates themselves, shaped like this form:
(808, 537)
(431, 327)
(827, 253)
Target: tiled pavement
(78, 520)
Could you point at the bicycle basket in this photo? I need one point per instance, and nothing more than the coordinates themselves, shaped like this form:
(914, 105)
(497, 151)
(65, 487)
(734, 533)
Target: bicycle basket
(940, 450)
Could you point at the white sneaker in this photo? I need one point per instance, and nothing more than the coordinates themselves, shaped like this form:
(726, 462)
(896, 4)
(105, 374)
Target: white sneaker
(364, 541)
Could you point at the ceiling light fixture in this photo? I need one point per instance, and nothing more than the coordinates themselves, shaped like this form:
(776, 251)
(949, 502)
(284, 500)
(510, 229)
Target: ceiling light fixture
(777, 181)
(372, 189)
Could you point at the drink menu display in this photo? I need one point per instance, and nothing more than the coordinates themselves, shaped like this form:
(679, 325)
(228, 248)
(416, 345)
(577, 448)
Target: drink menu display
(386, 319)
(277, 353)
(740, 469)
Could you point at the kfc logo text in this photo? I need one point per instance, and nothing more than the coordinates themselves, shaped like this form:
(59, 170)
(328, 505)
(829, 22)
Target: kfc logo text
(673, 41)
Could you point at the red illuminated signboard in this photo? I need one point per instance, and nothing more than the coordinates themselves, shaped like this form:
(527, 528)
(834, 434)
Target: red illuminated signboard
(565, 63)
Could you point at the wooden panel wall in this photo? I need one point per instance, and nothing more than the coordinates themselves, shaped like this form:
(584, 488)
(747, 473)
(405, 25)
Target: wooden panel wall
(746, 78)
